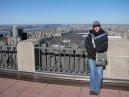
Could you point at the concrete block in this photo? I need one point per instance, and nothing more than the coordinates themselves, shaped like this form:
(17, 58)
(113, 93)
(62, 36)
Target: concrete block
(26, 55)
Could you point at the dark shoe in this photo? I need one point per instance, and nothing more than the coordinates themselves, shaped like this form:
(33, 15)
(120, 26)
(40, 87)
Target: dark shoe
(96, 93)
(91, 92)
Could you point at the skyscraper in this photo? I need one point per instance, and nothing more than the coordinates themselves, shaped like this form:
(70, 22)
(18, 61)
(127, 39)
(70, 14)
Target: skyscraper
(15, 35)
(15, 31)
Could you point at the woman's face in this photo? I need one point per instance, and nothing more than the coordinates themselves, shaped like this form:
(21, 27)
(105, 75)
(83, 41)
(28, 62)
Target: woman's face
(96, 29)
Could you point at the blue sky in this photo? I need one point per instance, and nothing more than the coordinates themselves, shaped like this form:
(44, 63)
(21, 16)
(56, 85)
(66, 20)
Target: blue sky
(64, 11)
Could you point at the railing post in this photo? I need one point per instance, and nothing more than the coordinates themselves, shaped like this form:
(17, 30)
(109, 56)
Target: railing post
(26, 55)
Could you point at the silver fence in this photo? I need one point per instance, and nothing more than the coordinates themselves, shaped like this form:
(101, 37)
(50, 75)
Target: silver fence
(8, 57)
(61, 60)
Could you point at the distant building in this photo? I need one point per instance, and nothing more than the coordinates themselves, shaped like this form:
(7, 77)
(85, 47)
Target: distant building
(57, 46)
(14, 36)
(17, 35)
(15, 31)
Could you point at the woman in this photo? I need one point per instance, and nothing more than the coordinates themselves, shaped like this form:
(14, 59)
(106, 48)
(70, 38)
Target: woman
(96, 41)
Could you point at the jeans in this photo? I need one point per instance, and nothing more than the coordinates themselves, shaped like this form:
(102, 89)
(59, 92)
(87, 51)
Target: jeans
(96, 76)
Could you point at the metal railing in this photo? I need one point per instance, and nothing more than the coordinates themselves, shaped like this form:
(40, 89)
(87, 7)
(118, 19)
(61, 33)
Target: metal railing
(61, 60)
(8, 57)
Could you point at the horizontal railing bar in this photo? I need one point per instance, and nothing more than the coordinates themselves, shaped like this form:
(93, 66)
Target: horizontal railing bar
(59, 48)
(61, 54)
(8, 46)
(118, 56)
(8, 51)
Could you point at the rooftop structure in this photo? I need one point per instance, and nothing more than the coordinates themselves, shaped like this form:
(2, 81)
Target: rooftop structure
(63, 61)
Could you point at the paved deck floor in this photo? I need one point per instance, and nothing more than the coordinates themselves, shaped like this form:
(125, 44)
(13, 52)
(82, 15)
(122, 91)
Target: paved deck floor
(19, 88)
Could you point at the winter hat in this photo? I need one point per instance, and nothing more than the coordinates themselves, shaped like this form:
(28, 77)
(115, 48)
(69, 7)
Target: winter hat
(96, 24)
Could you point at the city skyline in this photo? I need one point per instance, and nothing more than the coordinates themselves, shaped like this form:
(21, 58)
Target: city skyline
(64, 11)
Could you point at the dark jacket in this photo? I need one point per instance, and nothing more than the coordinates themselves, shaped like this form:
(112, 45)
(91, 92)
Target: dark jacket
(101, 43)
